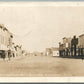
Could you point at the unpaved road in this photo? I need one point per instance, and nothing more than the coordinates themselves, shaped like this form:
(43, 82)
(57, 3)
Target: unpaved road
(41, 66)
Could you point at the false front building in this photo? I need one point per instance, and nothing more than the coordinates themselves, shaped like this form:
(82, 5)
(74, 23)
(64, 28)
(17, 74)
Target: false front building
(5, 40)
(64, 48)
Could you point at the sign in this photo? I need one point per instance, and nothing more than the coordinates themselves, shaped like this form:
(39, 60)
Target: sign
(66, 45)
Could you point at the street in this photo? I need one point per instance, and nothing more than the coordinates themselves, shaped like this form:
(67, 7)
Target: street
(42, 66)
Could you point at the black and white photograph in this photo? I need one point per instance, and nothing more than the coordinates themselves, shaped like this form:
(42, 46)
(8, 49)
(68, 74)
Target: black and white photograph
(41, 39)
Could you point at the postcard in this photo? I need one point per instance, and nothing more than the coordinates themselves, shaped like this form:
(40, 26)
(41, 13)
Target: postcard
(41, 41)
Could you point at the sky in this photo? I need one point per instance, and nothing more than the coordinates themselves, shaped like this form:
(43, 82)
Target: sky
(40, 25)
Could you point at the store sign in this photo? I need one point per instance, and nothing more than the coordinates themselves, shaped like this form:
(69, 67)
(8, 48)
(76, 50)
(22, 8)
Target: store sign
(66, 45)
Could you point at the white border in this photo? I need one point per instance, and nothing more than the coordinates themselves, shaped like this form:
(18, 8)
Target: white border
(41, 79)
(41, 3)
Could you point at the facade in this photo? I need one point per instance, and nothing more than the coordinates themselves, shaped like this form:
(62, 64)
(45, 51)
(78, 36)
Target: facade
(64, 49)
(55, 51)
(18, 50)
(61, 49)
(73, 47)
(81, 41)
(5, 40)
(81, 44)
(67, 42)
(8, 49)
(48, 51)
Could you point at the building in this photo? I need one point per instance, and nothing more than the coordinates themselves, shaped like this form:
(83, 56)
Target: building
(18, 49)
(67, 45)
(61, 51)
(81, 41)
(64, 49)
(48, 52)
(67, 42)
(81, 44)
(74, 46)
(5, 40)
(55, 51)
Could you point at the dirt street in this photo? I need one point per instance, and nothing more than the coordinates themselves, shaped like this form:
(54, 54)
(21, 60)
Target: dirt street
(42, 66)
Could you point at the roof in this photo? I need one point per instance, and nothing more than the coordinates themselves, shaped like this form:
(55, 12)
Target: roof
(55, 48)
(3, 27)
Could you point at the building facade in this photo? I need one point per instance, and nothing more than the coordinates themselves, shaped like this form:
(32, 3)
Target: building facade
(48, 52)
(61, 49)
(73, 47)
(81, 44)
(81, 41)
(64, 49)
(18, 49)
(55, 51)
(5, 40)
